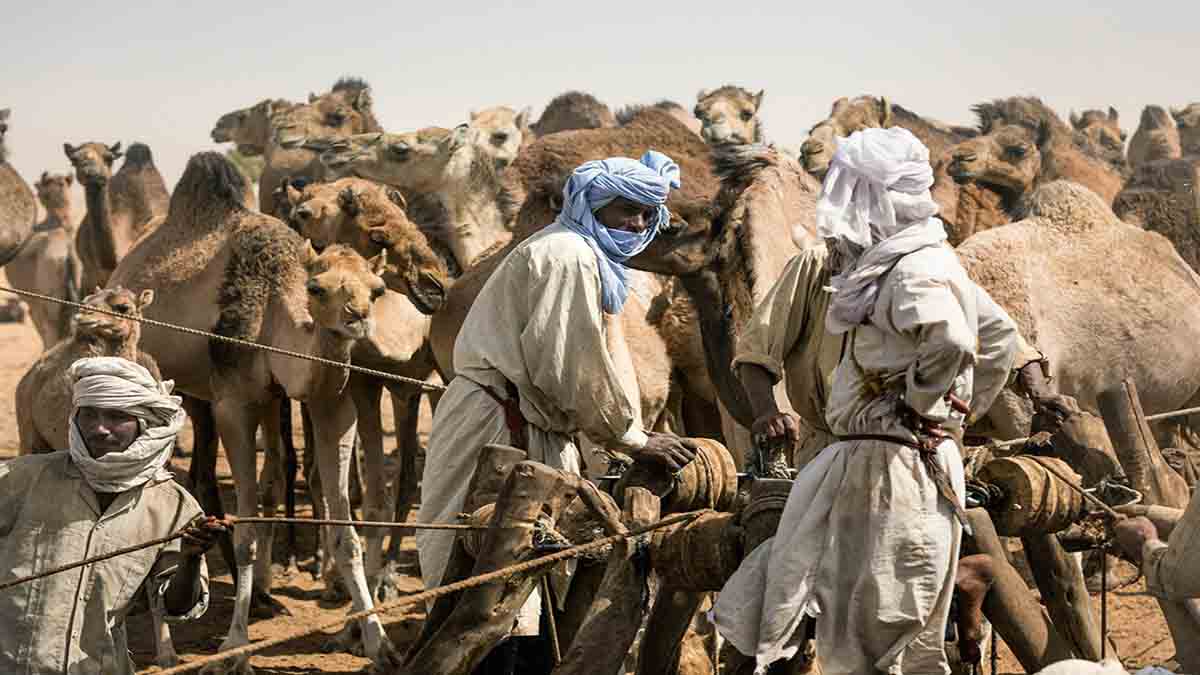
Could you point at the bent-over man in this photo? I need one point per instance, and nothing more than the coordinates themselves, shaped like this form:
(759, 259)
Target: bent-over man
(110, 489)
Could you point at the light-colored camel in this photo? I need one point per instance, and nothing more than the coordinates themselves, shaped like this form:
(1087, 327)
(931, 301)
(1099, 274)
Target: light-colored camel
(1161, 197)
(250, 128)
(1102, 131)
(573, 110)
(18, 210)
(1188, 121)
(1156, 138)
(121, 207)
(729, 115)
(628, 113)
(218, 264)
(502, 132)
(47, 264)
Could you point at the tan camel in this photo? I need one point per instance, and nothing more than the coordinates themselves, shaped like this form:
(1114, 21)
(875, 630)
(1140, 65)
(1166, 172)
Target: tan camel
(219, 264)
(121, 208)
(628, 113)
(1188, 121)
(573, 110)
(18, 210)
(1156, 138)
(250, 128)
(1161, 197)
(47, 264)
(1102, 132)
(502, 132)
(729, 115)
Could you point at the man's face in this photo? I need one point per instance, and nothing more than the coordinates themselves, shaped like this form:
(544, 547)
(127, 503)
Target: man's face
(105, 430)
(624, 214)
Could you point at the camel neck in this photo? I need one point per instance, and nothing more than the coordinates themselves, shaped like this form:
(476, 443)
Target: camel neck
(94, 345)
(476, 224)
(718, 331)
(99, 224)
(59, 216)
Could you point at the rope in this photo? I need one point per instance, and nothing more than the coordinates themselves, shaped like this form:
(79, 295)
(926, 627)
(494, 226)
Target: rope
(231, 340)
(93, 559)
(431, 594)
(1173, 413)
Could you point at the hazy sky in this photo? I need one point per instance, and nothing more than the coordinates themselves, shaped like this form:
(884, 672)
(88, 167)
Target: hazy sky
(162, 72)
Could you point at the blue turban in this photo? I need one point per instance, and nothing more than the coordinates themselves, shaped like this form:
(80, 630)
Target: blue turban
(594, 185)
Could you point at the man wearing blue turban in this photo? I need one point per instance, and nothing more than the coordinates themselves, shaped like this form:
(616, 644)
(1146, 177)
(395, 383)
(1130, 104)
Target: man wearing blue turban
(532, 362)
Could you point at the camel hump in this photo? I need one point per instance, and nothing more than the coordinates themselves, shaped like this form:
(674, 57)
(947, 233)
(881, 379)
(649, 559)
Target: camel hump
(139, 154)
(1067, 206)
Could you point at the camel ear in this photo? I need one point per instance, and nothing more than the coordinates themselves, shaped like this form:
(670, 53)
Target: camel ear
(1177, 113)
(348, 201)
(1076, 120)
(115, 149)
(459, 136)
(146, 298)
(837, 104)
(1113, 115)
(312, 98)
(363, 101)
(378, 264)
(471, 114)
(1043, 134)
(885, 112)
(758, 99)
(45, 177)
(397, 198)
(702, 95)
(308, 254)
(70, 150)
(522, 119)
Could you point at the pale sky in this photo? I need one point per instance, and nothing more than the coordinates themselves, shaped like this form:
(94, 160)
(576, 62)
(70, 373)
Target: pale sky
(163, 72)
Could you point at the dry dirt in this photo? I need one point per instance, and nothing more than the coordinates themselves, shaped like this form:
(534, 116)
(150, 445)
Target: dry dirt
(1136, 625)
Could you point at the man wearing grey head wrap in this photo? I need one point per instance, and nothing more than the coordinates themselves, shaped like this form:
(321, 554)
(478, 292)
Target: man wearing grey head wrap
(109, 490)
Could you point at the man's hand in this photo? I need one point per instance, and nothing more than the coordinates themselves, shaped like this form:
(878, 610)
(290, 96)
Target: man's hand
(778, 427)
(1132, 534)
(668, 450)
(200, 536)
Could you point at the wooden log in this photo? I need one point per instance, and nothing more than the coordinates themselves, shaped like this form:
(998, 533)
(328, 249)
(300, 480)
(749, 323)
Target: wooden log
(1139, 453)
(1080, 440)
(484, 615)
(1036, 500)
(670, 619)
(1064, 593)
(1013, 611)
(610, 627)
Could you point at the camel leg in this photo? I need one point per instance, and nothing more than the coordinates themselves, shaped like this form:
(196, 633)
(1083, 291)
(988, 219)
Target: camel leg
(164, 648)
(263, 606)
(367, 393)
(289, 478)
(1060, 580)
(670, 619)
(406, 407)
(333, 421)
(237, 421)
(203, 470)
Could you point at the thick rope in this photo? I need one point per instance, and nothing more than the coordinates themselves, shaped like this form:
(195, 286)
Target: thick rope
(231, 340)
(431, 594)
(93, 559)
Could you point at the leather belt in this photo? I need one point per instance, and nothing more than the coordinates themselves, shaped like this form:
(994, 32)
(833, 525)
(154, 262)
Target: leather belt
(518, 427)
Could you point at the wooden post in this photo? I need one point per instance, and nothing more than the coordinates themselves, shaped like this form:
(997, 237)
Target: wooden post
(1013, 611)
(1139, 453)
(1081, 441)
(1064, 593)
(611, 624)
(670, 619)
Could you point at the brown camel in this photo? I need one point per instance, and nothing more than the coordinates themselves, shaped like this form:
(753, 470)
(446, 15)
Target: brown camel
(1188, 121)
(18, 210)
(220, 264)
(729, 115)
(1102, 132)
(628, 113)
(1161, 197)
(573, 110)
(47, 264)
(250, 128)
(121, 208)
(1156, 138)
(502, 131)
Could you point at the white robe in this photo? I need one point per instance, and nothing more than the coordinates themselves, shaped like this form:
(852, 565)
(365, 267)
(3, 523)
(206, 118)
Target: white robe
(865, 542)
(536, 323)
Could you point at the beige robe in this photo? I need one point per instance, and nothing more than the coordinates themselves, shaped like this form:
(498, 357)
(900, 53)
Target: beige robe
(1172, 570)
(74, 622)
(536, 323)
(865, 541)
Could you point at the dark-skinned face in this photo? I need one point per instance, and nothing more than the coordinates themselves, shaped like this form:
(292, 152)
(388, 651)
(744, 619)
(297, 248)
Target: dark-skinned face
(105, 430)
(626, 215)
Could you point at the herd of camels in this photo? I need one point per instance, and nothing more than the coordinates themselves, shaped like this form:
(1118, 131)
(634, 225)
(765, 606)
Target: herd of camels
(369, 246)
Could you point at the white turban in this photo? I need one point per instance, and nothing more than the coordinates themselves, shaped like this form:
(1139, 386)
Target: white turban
(875, 208)
(1080, 667)
(119, 384)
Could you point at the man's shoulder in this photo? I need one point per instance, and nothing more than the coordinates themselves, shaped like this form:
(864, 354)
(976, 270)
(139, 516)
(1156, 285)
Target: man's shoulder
(557, 246)
(31, 465)
(932, 262)
(176, 496)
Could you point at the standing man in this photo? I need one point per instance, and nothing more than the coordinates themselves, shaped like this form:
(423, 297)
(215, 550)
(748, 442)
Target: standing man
(869, 538)
(532, 366)
(109, 490)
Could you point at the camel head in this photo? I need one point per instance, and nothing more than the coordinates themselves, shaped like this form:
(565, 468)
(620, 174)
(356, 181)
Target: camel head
(1156, 137)
(1102, 130)
(54, 190)
(344, 111)
(846, 117)
(93, 161)
(425, 160)
(1007, 160)
(94, 327)
(249, 128)
(1188, 121)
(501, 132)
(372, 219)
(729, 115)
(574, 110)
(341, 287)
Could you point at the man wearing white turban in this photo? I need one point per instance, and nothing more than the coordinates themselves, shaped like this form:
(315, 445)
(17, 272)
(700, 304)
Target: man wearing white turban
(531, 361)
(869, 538)
(109, 490)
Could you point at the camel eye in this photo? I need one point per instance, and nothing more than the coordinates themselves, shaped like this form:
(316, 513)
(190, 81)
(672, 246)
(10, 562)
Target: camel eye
(121, 309)
(747, 115)
(335, 119)
(1016, 151)
(314, 289)
(499, 138)
(376, 292)
(399, 150)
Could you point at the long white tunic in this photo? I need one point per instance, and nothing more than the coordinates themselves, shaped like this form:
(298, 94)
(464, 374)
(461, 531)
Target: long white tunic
(865, 542)
(536, 323)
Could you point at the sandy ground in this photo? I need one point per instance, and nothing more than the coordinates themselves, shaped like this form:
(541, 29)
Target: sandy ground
(1136, 625)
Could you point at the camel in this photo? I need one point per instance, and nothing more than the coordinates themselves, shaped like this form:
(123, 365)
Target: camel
(503, 132)
(628, 113)
(1188, 121)
(1102, 132)
(121, 207)
(1161, 197)
(249, 129)
(18, 210)
(47, 263)
(573, 110)
(1156, 138)
(249, 275)
(729, 115)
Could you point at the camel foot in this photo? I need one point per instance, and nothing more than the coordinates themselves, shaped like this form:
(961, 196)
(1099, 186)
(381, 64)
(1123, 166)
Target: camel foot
(387, 584)
(348, 639)
(335, 590)
(387, 661)
(169, 660)
(264, 606)
(975, 576)
(235, 666)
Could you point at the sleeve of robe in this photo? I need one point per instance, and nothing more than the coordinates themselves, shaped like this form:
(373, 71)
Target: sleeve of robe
(925, 309)
(1171, 566)
(162, 573)
(566, 354)
(999, 345)
(779, 320)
